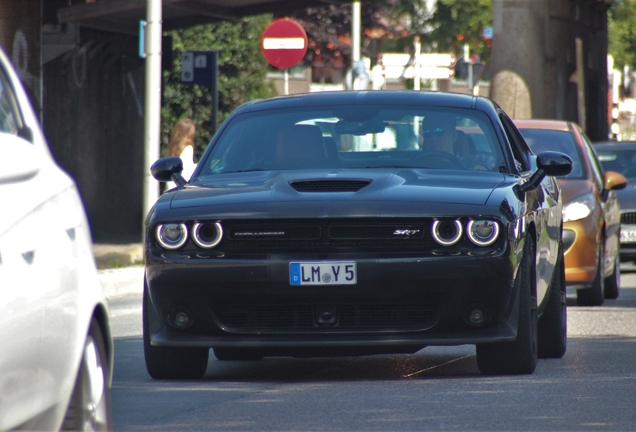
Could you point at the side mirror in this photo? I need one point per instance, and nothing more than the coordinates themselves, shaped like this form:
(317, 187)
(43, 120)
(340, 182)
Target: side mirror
(168, 169)
(21, 159)
(554, 163)
(549, 163)
(614, 181)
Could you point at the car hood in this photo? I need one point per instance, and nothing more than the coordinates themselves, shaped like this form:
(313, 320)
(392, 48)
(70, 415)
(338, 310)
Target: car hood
(627, 197)
(574, 188)
(271, 194)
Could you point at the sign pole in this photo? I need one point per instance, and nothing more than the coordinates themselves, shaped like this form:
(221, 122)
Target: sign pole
(152, 106)
(286, 81)
(416, 65)
(214, 88)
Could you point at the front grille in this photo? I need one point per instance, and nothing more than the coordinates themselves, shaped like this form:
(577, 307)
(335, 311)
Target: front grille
(377, 234)
(415, 315)
(628, 218)
(340, 185)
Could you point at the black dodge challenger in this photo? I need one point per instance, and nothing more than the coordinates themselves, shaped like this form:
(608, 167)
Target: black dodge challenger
(357, 223)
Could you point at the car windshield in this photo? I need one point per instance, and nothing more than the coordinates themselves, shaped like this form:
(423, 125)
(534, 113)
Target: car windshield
(364, 137)
(622, 161)
(541, 140)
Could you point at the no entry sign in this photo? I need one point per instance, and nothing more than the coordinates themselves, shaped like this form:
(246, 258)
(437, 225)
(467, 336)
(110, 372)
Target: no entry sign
(284, 43)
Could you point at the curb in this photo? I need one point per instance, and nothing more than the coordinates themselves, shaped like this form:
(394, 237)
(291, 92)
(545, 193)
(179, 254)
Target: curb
(108, 256)
(124, 281)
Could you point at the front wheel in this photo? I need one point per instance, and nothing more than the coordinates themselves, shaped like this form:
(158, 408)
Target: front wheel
(613, 282)
(170, 362)
(553, 326)
(90, 406)
(520, 356)
(594, 296)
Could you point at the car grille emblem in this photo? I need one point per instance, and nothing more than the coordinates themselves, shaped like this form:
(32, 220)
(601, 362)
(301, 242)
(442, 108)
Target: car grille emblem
(405, 232)
(259, 233)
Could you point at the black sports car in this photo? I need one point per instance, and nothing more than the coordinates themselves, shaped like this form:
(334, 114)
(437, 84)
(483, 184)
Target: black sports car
(354, 223)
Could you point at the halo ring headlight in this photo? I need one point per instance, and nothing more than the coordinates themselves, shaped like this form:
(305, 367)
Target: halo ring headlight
(207, 235)
(447, 232)
(172, 236)
(482, 232)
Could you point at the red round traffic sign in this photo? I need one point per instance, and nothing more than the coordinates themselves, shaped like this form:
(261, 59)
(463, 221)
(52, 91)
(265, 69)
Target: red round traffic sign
(284, 43)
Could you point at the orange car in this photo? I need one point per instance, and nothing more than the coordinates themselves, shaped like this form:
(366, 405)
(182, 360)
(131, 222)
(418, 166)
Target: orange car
(591, 213)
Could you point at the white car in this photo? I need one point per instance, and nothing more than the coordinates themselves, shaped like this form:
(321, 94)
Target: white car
(56, 350)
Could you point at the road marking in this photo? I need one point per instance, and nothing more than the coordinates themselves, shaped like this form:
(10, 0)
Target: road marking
(436, 366)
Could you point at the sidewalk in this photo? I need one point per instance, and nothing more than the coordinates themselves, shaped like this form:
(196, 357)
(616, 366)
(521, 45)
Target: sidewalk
(112, 256)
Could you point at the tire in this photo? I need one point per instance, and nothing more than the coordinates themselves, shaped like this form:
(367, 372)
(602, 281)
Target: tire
(90, 404)
(171, 362)
(595, 295)
(236, 354)
(613, 282)
(553, 325)
(520, 356)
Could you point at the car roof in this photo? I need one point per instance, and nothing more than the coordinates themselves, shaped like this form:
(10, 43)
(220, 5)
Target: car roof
(366, 97)
(615, 145)
(559, 125)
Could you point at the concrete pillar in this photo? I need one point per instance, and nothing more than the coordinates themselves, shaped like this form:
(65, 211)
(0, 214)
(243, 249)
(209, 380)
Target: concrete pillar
(517, 57)
(549, 61)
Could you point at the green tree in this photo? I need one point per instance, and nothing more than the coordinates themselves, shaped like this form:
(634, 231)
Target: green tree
(456, 23)
(394, 23)
(242, 74)
(622, 37)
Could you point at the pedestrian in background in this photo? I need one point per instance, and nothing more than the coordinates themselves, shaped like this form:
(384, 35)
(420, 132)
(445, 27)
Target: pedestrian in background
(182, 144)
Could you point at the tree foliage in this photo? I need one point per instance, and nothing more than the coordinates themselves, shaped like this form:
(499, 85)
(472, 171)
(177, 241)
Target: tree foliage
(329, 27)
(456, 23)
(242, 73)
(622, 36)
(447, 28)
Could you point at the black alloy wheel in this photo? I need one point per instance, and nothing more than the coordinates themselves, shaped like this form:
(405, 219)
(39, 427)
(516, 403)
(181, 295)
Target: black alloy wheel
(553, 326)
(613, 282)
(595, 295)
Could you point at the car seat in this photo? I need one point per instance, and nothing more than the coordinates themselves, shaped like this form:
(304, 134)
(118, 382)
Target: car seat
(301, 147)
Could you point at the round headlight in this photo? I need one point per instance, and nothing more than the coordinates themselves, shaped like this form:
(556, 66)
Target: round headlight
(172, 236)
(207, 235)
(483, 232)
(446, 232)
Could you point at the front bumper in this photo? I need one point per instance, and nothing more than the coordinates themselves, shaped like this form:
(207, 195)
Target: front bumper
(398, 301)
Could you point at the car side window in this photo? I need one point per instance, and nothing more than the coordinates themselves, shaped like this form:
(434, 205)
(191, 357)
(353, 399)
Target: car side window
(10, 120)
(519, 146)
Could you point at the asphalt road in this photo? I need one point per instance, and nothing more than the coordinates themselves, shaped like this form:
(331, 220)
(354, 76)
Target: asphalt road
(593, 387)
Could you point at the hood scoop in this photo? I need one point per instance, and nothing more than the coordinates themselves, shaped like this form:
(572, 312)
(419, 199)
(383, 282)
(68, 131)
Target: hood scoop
(332, 185)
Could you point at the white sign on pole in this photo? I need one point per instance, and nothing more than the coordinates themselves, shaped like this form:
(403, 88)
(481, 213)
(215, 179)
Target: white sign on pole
(431, 65)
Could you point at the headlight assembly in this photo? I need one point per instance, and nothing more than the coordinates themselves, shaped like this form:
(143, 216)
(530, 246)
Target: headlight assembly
(579, 208)
(483, 232)
(172, 236)
(207, 235)
(447, 232)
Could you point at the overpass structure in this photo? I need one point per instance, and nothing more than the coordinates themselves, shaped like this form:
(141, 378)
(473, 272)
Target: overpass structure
(79, 60)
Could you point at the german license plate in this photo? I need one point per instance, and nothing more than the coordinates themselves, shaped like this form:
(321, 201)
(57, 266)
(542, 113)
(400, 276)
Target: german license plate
(628, 235)
(323, 273)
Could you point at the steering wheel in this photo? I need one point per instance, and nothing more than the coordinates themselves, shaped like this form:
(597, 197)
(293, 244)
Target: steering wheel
(453, 160)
